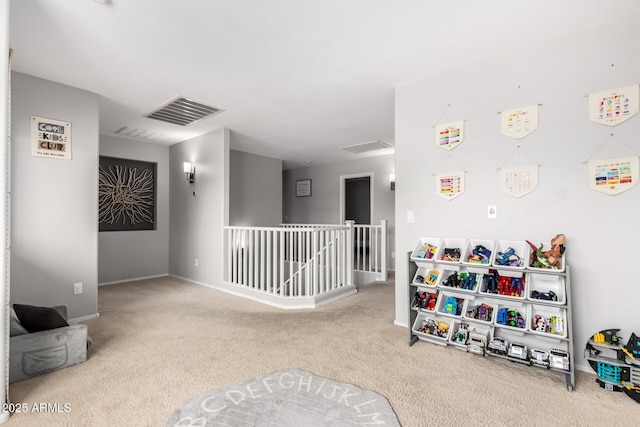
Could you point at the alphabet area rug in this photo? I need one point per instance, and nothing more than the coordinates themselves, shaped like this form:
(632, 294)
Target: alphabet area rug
(286, 398)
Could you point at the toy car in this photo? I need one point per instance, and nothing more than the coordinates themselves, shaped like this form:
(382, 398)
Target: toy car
(559, 359)
(478, 342)
(498, 346)
(518, 351)
(539, 357)
(548, 296)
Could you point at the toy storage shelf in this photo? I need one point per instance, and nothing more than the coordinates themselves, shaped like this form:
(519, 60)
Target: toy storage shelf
(535, 336)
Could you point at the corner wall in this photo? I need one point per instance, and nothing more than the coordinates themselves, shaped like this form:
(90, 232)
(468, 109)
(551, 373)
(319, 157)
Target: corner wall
(54, 203)
(127, 255)
(255, 190)
(197, 221)
(602, 231)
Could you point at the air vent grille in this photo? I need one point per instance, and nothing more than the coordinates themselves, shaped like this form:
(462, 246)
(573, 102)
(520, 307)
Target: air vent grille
(138, 133)
(366, 146)
(183, 111)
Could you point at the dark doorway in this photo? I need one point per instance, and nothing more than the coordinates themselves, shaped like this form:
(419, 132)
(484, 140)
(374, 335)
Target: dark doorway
(357, 200)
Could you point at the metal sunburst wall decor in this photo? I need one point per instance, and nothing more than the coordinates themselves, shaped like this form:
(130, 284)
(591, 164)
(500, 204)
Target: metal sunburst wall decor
(126, 194)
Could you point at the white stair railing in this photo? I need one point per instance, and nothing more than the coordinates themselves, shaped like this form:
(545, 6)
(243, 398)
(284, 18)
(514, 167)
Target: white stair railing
(289, 262)
(369, 246)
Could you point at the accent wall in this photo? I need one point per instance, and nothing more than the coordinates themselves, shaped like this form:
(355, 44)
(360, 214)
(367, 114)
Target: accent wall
(601, 230)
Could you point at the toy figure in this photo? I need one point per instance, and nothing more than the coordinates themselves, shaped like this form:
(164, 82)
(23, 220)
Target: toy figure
(509, 257)
(491, 282)
(550, 258)
(451, 254)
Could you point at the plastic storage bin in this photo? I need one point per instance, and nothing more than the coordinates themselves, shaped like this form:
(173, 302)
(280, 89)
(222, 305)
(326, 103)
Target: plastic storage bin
(461, 279)
(426, 326)
(484, 258)
(424, 246)
(448, 245)
(425, 301)
(548, 321)
(504, 283)
(512, 315)
(507, 250)
(452, 305)
(550, 289)
(426, 276)
(545, 247)
(480, 310)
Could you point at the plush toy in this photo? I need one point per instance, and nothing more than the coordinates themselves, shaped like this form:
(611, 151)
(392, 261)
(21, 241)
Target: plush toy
(550, 258)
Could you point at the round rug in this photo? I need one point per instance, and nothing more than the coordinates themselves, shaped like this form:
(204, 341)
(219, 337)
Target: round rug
(286, 398)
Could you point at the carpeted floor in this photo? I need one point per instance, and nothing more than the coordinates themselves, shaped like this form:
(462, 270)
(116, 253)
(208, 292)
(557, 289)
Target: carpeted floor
(160, 342)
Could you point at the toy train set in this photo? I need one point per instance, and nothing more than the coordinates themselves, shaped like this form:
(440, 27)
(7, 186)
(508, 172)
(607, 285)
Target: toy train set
(617, 365)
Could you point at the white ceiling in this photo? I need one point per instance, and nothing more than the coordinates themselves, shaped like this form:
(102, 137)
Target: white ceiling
(298, 78)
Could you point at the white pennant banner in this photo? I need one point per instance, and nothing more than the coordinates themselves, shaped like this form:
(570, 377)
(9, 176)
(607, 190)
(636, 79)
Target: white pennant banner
(520, 122)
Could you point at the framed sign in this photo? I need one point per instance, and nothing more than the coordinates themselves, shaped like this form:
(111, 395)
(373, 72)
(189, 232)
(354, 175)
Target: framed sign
(303, 188)
(50, 138)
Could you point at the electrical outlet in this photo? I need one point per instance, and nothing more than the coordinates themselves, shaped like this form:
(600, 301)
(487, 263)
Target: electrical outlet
(393, 254)
(77, 288)
(492, 212)
(195, 262)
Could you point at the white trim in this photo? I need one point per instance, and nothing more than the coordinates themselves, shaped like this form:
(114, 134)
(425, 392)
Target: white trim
(284, 303)
(5, 200)
(83, 318)
(135, 279)
(398, 323)
(343, 178)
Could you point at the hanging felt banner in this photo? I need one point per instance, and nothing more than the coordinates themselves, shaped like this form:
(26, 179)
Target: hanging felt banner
(450, 185)
(613, 176)
(450, 135)
(612, 107)
(518, 181)
(520, 122)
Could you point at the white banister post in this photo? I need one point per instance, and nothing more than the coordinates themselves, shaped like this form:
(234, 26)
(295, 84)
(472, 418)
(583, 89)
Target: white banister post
(350, 245)
(383, 250)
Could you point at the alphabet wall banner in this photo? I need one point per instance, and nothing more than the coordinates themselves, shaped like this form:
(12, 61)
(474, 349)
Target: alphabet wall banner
(450, 135)
(518, 181)
(450, 185)
(50, 138)
(613, 176)
(612, 107)
(520, 122)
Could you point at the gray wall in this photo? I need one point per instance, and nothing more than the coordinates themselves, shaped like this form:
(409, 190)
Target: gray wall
(323, 207)
(255, 190)
(197, 221)
(54, 203)
(602, 231)
(124, 255)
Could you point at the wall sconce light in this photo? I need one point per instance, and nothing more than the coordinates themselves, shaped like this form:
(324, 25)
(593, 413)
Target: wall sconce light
(392, 179)
(190, 172)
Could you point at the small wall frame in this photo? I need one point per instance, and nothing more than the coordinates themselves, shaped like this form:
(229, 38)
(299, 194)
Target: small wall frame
(303, 188)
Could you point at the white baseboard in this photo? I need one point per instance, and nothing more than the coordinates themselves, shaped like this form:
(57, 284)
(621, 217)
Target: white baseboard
(133, 279)
(83, 318)
(275, 300)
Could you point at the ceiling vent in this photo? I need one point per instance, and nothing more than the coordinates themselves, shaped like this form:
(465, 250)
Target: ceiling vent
(138, 133)
(183, 111)
(366, 146)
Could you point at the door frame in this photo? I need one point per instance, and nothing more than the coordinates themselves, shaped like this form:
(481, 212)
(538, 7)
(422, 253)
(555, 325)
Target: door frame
(343, 179)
